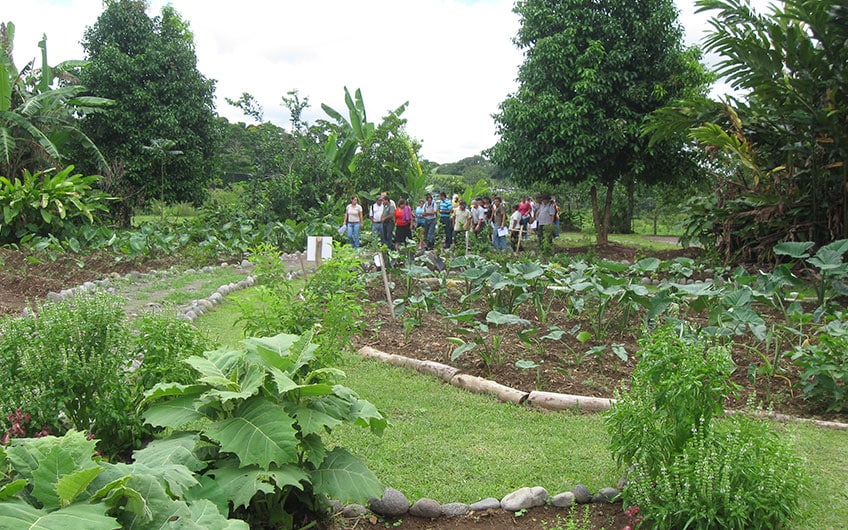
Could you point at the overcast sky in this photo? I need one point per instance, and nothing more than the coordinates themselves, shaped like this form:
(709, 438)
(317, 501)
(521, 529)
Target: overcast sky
(453, 60)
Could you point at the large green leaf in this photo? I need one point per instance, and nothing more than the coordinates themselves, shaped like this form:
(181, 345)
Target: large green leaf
(51, 467)
(176, 449)
(259, 433)
(313, 421)
(173, 413)
(70, 486)
(14, 515)
(10, 489)
(345, 478)
(503, 319)
(240, 484)
(249, 382)
(794, 249)
(205, 515)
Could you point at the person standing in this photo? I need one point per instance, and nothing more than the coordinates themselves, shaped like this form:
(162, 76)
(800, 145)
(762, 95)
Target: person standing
(462, 221)
(430, 210)
(445, 217)
(353, 221)
(498, 223)
(376, 215)
(545, 213)
(515, 227)
(419, 214)
(388, 220)
(403, 222)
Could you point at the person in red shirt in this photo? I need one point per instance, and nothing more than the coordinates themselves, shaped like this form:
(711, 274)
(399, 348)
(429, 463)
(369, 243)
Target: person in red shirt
(403, 222)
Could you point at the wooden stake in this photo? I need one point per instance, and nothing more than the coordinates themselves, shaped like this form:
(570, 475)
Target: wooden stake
(319, 242)
(303, 266)
(386, 283)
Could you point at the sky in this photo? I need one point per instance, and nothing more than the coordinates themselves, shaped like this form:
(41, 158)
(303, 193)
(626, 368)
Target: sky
(452, 60)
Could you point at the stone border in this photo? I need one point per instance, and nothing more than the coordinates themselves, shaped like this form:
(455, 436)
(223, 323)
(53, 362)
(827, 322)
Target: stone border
(395, 504)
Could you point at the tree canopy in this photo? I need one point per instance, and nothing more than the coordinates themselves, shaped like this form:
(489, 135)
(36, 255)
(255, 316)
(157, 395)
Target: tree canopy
(784, 142)
(592, 71)
(149, 68)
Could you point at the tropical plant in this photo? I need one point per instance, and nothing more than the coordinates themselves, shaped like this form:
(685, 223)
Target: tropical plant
(690, 467)
(781, 150)
(55, 483)
(46, 202)
(592, 71)
(253, 424)
(38, 123)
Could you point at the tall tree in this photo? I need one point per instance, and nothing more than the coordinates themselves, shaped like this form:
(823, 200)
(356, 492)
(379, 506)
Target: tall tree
(786, 140)
(592, 71)
(149, 68)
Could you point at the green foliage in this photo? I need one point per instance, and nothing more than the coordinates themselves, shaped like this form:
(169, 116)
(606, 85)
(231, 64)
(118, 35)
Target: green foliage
(255, 419)
(824, 359)
(43, 203)
(690, 466)
(734, 474)
(56, 483)
(160, 344)
(81, 364)
(38, 124)
(780, 150)
(149, 68)
(592, 72)
(331, 299)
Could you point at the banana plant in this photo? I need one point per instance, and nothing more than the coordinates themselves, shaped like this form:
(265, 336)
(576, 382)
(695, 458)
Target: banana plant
(37, 122)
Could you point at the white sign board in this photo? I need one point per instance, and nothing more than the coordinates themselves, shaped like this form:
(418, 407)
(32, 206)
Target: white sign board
(313, 243)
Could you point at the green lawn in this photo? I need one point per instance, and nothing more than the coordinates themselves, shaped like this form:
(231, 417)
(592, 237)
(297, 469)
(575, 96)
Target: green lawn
(450, 445)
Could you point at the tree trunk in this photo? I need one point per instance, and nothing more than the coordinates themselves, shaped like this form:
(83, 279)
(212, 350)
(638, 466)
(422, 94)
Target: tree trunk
(631, 206)
(601, 219)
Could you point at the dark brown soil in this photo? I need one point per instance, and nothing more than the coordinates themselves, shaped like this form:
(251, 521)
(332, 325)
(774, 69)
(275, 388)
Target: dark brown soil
(26, 278)
(599, 516)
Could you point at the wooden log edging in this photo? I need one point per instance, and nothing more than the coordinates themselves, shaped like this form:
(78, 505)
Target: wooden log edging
(479, 385)
(544, 400)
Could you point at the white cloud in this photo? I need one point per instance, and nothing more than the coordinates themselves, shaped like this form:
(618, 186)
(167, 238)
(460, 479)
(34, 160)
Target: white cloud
(453, 60)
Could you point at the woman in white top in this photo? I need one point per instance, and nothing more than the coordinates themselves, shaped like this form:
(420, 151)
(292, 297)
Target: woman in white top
(353, 221)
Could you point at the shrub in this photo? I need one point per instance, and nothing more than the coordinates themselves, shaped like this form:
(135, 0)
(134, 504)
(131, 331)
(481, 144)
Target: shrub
(331, 299)
(690, 467)
(75, 365)
(66, 366)
(253, 423)
(824, 358)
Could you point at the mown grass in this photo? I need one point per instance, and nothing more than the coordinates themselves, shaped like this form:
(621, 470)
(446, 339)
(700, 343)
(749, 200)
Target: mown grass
(451, 445)
(182, 288)
(637, 241)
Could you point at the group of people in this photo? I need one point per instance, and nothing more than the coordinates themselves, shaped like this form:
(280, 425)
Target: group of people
(393, 222)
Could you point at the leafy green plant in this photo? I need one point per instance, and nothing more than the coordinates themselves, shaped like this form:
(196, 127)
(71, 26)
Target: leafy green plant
(44, 202)
(254, 421)
(487, 345)
(57, 483)
(824, 359)
(690, 466)
(831, 272)
(736, 473)
(69, 363)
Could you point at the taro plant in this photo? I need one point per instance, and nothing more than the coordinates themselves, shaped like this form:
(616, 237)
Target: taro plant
(253, 423)
(486, 344)
(824, 359)
(830, 271)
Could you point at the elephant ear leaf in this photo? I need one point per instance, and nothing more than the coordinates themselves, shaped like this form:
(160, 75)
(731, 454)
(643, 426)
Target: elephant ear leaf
(89, 516)
(344, 477)
(258, 434)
